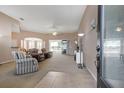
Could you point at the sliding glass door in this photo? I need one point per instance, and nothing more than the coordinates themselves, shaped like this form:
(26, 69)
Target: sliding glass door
(110, 57)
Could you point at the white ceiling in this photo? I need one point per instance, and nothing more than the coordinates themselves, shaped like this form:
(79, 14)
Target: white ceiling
(46, 18)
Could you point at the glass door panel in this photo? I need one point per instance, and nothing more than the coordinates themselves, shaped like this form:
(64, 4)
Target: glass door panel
(113, 46)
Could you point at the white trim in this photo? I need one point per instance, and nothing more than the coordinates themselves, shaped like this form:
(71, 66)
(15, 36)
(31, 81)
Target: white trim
(92, 73)
(6, 62)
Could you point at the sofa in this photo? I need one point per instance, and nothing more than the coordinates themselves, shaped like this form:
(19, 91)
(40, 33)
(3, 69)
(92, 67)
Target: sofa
(46, 54)
(34, 53)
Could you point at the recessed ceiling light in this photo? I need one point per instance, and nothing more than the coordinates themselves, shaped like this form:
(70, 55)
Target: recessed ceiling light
(81, 34)
(22, 19)
(118, 29)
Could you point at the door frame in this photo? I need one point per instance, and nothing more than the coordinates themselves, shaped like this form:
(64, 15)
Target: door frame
(101, 82)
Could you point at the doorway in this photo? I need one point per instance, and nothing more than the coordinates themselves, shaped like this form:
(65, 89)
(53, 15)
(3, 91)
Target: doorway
(59, 46)
(55, 45)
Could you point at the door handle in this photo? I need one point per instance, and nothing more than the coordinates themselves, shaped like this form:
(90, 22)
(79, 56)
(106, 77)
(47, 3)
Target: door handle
(97, 61)
(98, 48)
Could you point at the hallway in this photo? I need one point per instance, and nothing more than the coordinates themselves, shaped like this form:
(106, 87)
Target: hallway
(58, 63)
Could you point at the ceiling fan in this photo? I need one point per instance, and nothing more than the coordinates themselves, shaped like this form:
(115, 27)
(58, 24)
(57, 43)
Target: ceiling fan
(54, 28)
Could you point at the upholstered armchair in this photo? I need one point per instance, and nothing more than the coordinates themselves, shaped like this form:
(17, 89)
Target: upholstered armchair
(24, 64)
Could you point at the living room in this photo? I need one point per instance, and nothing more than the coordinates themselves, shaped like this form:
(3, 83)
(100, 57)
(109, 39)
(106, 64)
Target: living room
(61, 46)
(22, 35)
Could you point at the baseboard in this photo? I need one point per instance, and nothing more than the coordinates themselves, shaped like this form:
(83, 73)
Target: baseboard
(4, 62)
(92, 74)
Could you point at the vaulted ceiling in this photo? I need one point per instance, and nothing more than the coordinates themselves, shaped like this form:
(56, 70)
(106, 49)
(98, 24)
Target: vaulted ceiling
(46, 18)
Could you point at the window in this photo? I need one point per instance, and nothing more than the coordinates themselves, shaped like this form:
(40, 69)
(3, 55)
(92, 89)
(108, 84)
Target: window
(25, 44)
(55, 45)
(29, 43)
(39, 45)
(22, 44)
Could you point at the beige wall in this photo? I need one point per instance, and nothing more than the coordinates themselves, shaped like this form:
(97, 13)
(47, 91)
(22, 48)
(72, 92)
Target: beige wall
(90, 38)
(6, 27)
(46, 37)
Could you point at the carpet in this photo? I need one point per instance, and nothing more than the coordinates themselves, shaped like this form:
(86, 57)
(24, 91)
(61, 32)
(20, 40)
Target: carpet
(58, 63)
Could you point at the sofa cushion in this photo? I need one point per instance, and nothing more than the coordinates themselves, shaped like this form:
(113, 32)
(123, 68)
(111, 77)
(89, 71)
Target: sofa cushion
(34, 50)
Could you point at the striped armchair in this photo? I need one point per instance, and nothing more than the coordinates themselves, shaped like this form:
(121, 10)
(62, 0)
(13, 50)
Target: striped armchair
(24, 64)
